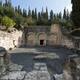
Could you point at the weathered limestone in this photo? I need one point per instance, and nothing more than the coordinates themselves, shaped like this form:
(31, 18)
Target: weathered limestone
(47, 36)
(15, 75)
(67, 75)
(10, 40)
(72, 69)
(31, 39)
(58, 77)
(4, 60)
(67, 42)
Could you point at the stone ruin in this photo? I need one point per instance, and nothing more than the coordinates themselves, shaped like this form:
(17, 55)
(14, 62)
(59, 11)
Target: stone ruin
(11, 71)
(39, 72)
(6, 66)
(72, 69)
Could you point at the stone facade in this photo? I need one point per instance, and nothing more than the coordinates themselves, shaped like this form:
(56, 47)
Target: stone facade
(43, 35)
(10, 40)
(46, 36)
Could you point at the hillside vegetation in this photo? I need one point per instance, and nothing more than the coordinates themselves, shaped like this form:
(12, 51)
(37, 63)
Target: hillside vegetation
(9, 16)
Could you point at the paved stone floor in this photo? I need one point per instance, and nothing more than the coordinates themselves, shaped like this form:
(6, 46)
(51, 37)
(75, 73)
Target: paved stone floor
(25, 57)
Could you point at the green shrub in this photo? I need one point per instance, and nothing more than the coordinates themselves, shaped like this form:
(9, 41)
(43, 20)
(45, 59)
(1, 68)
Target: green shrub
(8, 22)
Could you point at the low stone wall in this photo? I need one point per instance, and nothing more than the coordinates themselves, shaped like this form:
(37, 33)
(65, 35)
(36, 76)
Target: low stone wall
(11, 40)
(67, 42)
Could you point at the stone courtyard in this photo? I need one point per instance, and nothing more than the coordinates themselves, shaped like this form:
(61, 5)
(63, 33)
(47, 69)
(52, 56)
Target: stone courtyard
(50, 59)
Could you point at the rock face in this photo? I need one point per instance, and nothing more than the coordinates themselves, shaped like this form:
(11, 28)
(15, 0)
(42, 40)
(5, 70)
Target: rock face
(39, 72)
(72, 69)
(15, 67)
(15, 75)
(10, 40)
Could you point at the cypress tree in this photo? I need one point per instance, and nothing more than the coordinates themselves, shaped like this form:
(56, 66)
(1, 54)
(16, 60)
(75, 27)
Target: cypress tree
(42, 12)
(19, 10)
(46, 14)
(29, 12)
(75, 15)
(24, 13)
(39, 18)
(6, 3)
(60, 15)
(35, 13)
(67, 15)
(64, 14)
(51, 16)
(1, 3)
(9, 3)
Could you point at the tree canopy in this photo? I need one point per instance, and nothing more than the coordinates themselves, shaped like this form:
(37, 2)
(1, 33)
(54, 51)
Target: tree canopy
(75, 16)
(30, 17)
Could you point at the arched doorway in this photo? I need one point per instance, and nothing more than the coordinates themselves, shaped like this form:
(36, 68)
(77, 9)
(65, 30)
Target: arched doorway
(42, 39)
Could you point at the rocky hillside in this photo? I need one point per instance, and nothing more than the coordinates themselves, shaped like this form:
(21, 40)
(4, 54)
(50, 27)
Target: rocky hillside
(10, 40)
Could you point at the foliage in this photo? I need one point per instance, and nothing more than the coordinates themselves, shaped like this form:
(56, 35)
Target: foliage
(31, 17)
(18, 19)
(30, 21)
(8, 22)
(68, 24)
(75, 16)
(0, 19)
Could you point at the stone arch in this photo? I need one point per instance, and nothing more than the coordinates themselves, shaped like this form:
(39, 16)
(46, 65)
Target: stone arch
(31, 39)
(42, 38)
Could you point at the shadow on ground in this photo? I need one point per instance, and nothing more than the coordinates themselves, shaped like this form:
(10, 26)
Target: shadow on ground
(25, 57)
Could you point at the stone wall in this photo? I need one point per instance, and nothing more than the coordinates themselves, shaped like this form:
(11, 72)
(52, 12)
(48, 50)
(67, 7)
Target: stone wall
(53, 37)
(42, 38)
(11, 40)
(67, 42)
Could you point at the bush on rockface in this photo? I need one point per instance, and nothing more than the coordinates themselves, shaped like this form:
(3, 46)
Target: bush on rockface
(8, 22)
